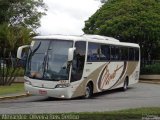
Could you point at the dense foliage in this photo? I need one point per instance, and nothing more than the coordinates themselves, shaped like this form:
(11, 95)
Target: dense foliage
(18, 22)
(136, 21)
(151, 69)
(21, 12)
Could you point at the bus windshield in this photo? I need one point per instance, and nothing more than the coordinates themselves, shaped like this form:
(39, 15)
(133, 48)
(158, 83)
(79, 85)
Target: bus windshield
(47, 59)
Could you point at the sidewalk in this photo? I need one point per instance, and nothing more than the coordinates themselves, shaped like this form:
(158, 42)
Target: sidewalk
(13, 96)
(149, 81)
(152, 79)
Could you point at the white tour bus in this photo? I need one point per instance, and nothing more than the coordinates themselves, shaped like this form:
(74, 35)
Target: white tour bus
(71, 66)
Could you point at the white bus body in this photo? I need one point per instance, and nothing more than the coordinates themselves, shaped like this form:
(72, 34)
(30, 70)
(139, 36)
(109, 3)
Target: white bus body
(71, 66)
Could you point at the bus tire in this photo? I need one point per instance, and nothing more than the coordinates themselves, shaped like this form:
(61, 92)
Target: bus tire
(88, 91)
(125, 85)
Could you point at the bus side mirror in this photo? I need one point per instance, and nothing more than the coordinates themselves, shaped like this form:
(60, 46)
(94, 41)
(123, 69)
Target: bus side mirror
(71, 53)
(19, 51)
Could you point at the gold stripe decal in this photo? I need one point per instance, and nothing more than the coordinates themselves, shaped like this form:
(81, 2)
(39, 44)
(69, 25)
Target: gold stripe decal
(122, 75)
(110, 75)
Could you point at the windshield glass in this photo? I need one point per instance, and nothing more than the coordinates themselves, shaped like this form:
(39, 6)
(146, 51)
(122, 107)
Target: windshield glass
(48, 60)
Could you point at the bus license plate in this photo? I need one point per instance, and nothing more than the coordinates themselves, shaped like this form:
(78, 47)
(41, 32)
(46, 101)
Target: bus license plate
(42, 92)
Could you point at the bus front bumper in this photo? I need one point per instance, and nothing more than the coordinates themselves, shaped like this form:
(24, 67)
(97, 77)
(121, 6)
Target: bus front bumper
(55, 92)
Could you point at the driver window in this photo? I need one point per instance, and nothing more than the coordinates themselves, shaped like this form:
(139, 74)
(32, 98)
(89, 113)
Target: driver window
(78, 61)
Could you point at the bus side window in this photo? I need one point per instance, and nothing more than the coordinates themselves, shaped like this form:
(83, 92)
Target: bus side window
(113, 53)
(117, 53)
(136, 54)
(93, 52)
(124, 53)
(105, 52)
(131, 54)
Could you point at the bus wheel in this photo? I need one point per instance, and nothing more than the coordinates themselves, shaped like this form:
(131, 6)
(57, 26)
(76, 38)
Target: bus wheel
(88, 91)
(125, 85)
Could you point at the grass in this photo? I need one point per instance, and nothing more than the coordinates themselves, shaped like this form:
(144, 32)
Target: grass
(14, 88)
(128, 114)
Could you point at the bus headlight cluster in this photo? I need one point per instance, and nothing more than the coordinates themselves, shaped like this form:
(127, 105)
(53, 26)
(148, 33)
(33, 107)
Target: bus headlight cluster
(28, 82)
(62, 85)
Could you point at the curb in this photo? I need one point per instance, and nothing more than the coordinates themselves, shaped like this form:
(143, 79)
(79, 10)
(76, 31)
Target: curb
(149, 82)
(14, 97)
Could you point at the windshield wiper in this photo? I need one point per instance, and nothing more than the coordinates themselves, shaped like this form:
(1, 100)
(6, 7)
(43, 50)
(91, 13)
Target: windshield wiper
(33, 52)
(45, 64)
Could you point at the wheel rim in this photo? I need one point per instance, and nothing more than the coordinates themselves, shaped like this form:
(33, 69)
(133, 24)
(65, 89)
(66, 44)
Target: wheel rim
(125, 85)
(87, 95)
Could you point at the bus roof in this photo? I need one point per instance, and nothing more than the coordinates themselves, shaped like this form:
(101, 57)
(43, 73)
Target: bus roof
(89, 38)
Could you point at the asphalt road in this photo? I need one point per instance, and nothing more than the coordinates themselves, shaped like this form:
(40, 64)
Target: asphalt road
(138, 95)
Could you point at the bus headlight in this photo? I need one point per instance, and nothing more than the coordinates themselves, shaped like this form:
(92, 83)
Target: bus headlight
(28, 82)
(62, 85)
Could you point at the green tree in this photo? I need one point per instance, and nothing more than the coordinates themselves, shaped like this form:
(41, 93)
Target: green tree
(136, 21)
(10, 39)
(13, 37)
(26, 13)
(19, 20)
